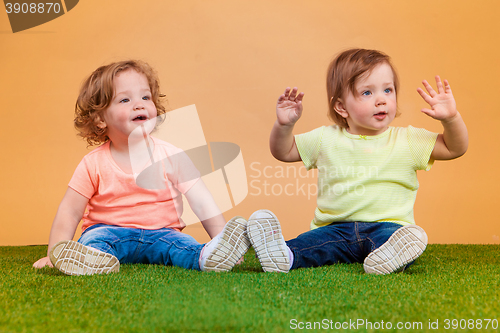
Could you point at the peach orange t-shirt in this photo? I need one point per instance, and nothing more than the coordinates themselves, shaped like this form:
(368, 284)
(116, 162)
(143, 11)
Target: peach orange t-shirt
(116, 199)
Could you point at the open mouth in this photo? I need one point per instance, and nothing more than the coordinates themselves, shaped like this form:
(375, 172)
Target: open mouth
(140, 117)
(380, 113)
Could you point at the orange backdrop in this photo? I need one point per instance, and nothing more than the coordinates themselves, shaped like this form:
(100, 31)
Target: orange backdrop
(233, 59)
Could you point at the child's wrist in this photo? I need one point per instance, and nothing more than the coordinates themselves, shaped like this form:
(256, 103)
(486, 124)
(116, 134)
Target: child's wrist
(452, 119)
(288, 126)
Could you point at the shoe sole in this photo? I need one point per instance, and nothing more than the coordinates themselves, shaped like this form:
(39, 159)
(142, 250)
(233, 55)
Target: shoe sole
(267, 240)
(404, 246)
(73, 258)
(232, 246)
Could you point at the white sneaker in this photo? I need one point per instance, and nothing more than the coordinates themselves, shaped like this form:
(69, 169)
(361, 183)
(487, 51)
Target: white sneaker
(224, 251)
(265, 236)
(73, 258)
(404, 246)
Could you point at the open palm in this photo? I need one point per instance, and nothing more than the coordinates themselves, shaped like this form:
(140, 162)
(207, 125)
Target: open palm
(289, 107)
(442, 102)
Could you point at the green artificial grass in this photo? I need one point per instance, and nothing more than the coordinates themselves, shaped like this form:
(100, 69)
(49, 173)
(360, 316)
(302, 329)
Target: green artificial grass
(447, 282)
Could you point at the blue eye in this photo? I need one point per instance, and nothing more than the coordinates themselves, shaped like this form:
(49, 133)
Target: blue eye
(146, 98)
(125, 100)
(366, 93)
(388, 90)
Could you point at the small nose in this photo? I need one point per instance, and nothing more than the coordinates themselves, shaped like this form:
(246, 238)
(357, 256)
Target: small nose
(380, 100)
(138, 105)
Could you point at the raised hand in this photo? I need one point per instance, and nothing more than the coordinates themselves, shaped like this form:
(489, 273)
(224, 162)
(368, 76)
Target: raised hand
(289, 107)
(442, 102)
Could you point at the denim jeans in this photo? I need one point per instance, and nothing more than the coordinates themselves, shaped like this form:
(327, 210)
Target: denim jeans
(347, 242)
(162, 246)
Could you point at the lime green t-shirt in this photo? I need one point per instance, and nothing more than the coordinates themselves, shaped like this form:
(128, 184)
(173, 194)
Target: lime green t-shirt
(366, 178)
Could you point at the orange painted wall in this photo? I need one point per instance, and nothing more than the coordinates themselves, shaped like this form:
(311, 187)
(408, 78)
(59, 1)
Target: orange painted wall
(233, 59)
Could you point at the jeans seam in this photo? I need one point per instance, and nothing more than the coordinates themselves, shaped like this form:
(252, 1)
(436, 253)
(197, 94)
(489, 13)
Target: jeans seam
(318, 245)
(372, 243)
(190, 248)
(139, 241)
(174, 243)
(358, 237)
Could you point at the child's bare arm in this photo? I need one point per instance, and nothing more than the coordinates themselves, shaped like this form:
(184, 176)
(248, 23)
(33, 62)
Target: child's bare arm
(454, 141)
(203, 205)
(288, 111)
(68, 215)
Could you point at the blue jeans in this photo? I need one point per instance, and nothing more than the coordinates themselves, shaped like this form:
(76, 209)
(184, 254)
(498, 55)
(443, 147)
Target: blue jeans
(162, 246)
(347, 242)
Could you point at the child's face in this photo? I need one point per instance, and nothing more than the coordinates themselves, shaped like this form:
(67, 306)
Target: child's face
(372, 106)
(131, 105)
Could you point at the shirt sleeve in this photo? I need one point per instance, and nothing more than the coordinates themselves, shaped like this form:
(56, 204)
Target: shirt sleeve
(421, 142)
(308, 145)
(83, 180)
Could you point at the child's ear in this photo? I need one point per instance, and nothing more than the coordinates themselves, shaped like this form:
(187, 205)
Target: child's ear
(100, 123)
(339, 107)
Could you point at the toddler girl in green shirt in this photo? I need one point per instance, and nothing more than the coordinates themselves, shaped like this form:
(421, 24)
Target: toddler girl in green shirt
(367, 181)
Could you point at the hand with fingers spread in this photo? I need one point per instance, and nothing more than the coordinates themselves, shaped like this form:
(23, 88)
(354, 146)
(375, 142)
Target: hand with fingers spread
(289, 107)
(454, 140)
(442, 102)
(288, 111)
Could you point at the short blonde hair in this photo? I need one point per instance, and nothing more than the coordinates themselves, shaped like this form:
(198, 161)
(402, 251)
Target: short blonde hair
(97, 93)
(345, 70)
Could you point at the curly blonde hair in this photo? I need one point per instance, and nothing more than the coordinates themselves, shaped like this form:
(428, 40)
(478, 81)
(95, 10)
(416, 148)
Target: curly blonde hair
(345, 70)
(97, 93)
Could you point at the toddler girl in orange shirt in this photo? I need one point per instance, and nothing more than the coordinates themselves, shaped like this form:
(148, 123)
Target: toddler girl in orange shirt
(122, 221)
